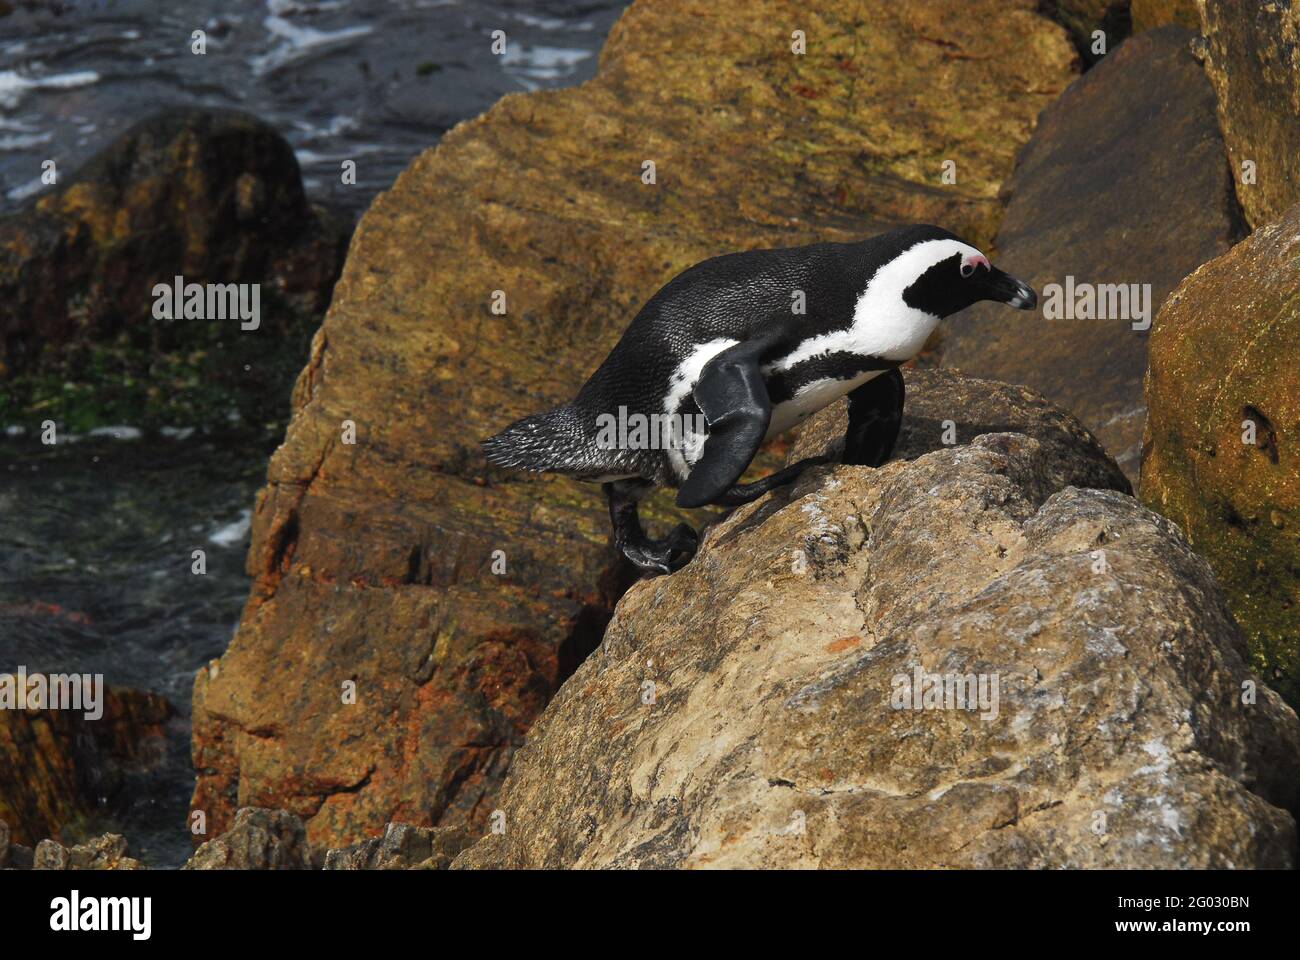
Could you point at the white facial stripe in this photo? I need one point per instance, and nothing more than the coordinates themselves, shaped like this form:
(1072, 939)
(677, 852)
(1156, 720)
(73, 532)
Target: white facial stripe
(682, 383)
(883, 325)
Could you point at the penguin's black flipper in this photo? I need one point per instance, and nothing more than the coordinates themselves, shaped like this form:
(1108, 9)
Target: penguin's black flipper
(875, 415)
(731, 395)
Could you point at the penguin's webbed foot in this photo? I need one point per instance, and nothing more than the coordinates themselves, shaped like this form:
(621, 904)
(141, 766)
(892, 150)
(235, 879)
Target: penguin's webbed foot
(664, 556)
(660, 556)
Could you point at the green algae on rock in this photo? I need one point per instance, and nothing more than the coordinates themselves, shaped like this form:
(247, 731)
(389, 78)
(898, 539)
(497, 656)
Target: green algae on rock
(458, 599)
(210, 196)
(1222, 444)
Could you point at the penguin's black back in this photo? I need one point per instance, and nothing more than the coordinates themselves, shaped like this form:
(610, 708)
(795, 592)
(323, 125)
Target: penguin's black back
(740, 296)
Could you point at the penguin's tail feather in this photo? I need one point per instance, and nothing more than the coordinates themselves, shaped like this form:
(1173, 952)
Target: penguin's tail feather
(557, 441)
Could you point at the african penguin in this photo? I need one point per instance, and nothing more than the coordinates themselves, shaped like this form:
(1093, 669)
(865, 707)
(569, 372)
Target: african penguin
(742, 347)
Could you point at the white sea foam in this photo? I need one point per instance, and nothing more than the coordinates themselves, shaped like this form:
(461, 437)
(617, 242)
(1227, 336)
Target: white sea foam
(232, 534)
(541, 23)
(121, 432)
(14, 86)
(25, 190)
(23, 141)
(528, 65)
(282, 8)
(299, 42)
(308, 157)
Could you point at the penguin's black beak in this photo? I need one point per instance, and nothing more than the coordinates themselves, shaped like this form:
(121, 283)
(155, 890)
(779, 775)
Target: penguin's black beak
(1005, 288)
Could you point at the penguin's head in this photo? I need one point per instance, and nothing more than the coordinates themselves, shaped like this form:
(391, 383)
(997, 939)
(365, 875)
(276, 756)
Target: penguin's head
(955, 275)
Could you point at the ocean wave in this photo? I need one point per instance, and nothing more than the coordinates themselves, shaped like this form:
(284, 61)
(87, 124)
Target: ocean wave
(14, 86)
(299, 42)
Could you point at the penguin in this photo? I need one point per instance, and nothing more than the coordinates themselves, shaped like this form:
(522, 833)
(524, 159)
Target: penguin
(740, 348)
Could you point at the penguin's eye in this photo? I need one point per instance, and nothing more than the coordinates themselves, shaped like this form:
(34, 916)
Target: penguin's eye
(971, 261)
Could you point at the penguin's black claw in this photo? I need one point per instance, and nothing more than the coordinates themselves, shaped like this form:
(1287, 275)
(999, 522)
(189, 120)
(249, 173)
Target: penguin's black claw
(667, 555)
(647, 559)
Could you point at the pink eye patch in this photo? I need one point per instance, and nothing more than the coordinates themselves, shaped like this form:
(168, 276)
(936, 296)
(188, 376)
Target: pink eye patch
(973, 260)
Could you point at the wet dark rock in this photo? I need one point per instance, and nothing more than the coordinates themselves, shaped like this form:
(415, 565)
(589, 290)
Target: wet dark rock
(21, 858)
(13, 856)
(1125, 181)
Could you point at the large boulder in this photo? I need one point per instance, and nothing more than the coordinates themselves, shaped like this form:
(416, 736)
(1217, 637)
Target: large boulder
(412, 612)
(57, 767)
(1222, 446)
(1253, 59)
(1124, 182)
(963, 659)
(211, 196)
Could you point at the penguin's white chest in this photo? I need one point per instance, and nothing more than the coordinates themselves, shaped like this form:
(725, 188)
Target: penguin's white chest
(810, 398)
